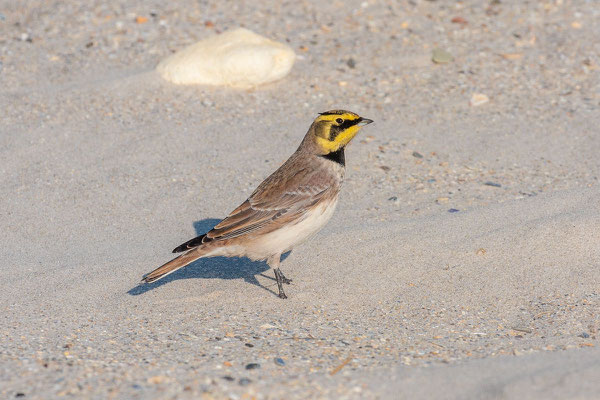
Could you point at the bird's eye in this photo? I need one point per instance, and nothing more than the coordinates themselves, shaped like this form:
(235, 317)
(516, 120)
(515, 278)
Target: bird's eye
(339, 121)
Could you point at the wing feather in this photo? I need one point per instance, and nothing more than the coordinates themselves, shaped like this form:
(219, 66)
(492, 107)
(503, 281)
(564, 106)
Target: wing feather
(269, 203)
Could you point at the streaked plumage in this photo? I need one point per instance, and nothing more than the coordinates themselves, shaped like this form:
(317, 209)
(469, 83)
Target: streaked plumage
(287, 208)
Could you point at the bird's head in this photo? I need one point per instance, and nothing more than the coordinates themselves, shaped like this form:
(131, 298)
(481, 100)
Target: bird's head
(333, 130)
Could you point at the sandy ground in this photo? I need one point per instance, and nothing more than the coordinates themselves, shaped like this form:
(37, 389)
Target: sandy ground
(463, 260)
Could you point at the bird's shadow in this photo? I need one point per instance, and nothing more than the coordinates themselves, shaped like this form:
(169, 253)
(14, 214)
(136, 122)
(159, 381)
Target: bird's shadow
(213, 267)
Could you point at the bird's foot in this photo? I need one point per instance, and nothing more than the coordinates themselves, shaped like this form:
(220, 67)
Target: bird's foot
(284, 279)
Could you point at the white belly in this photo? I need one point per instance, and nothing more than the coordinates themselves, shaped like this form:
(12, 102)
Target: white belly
(286, 238)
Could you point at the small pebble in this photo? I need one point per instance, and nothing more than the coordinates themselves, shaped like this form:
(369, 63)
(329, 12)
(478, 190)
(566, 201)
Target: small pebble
(478, 99)
(156, 380)
(459, 20)
(20, 394)
(252, 366)
(249, 345)
(584, 335)
(453, 210)
(351, 63)
(229, 378)
(26, 38)
(512, 56)
(244, 381)
(279, 361)
(395, 200)
(440, 56)
(417, 154)
(494, 184)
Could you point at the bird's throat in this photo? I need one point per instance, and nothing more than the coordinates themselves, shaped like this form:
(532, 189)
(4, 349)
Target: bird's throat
(336, 156)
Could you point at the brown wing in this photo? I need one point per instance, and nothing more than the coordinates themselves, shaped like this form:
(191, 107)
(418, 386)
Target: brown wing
(269, 203)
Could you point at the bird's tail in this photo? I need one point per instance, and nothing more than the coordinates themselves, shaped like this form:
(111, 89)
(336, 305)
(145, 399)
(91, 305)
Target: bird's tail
(174, 265)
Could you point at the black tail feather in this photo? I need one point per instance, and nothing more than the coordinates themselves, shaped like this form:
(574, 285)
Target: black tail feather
(190, 244)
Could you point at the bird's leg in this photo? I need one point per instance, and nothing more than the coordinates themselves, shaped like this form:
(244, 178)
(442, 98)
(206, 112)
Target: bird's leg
(274, 264)
(279, 277)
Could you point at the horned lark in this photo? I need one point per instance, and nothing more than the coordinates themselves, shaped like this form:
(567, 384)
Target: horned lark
(288, 207)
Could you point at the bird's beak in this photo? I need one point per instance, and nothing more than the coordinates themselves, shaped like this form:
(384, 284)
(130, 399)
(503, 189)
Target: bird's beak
(364, 121)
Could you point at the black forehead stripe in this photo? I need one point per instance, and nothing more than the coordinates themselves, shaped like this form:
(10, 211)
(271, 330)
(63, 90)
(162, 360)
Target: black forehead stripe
(333, 112)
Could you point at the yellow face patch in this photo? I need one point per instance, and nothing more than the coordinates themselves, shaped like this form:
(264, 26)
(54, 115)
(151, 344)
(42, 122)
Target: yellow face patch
(335, 129)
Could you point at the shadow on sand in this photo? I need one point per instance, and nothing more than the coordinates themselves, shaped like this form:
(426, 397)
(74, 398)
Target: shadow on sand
(213, 267)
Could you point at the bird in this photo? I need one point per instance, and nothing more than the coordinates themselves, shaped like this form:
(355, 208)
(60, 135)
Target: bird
(287, 208)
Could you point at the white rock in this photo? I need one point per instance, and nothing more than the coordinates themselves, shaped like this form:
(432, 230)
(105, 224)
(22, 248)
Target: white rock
(238, 58)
